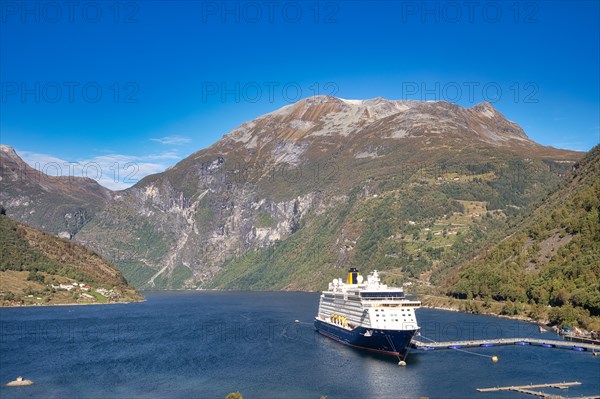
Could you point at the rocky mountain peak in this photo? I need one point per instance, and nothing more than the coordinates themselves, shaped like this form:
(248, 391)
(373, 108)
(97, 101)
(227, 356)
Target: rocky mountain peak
(10, 153)
(11, 163)
(486, 108)
(496, 123)
(6, 148)
(320, 123)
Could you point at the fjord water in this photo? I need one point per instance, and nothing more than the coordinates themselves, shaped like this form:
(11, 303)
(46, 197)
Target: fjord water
(206, 344)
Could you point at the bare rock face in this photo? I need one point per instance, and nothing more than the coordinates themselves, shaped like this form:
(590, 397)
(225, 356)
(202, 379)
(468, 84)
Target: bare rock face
(255, 187)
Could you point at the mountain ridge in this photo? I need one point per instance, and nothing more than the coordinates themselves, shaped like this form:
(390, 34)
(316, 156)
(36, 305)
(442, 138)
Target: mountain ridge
(309, 117)
(59, 204)
(265, 185)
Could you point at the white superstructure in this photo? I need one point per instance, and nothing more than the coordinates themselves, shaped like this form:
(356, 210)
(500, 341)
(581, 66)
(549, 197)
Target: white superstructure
(369, 304)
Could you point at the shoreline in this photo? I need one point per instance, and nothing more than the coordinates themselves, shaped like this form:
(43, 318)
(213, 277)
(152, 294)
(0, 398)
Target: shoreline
(450, 308)
(500, 316)
(425, 303)
(69, 304)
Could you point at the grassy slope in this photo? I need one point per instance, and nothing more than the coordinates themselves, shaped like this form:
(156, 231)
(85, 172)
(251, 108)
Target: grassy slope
(30, 260)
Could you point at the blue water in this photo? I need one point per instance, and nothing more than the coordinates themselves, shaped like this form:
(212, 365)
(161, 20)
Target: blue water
(206, 344)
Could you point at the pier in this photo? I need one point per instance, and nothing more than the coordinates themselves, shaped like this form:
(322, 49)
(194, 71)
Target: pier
(546, 343)
(528, 389)
(575, 338)
(525, 389)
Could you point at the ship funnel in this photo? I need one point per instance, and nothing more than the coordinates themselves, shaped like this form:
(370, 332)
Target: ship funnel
(353, 275)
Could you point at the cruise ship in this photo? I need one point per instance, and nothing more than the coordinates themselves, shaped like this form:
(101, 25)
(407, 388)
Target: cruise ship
(367, 314)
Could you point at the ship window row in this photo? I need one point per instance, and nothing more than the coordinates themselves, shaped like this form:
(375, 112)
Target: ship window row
(356, 315)
(346, 311)
(340, 298)
(380, 295)
(395, 320)
(340, 305)
(401, 310)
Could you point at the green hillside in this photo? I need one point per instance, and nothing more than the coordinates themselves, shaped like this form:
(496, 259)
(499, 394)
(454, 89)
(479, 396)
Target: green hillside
(552, 262)
(34, 263)
(416, 226)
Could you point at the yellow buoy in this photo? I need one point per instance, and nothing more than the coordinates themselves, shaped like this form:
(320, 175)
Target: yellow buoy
(495, 359)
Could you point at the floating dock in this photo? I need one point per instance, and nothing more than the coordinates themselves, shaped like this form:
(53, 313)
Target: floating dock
(546, 343)
(528, 389)
(575, 338)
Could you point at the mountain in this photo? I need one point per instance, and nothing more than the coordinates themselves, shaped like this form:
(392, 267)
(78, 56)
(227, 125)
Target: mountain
(58, 204)
(35, 265)
(290, 199)
(552, 259)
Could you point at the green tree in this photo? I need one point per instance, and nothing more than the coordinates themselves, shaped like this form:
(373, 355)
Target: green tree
(35, 276)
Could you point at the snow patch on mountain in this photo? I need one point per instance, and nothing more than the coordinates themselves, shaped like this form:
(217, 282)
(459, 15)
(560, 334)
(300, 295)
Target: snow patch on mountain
(352, 102)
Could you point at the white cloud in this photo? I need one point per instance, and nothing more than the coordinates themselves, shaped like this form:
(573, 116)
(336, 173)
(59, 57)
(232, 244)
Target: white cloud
(113, 171)
(172, 140)
(570, 145)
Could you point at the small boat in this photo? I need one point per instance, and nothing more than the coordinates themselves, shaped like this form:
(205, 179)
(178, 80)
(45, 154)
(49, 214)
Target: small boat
(19, 382)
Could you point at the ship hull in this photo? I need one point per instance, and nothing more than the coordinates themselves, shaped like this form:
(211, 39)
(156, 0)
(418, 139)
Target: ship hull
(392, 342)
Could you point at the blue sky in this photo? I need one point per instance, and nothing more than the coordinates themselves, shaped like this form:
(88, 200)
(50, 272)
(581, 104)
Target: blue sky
(141, 85)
